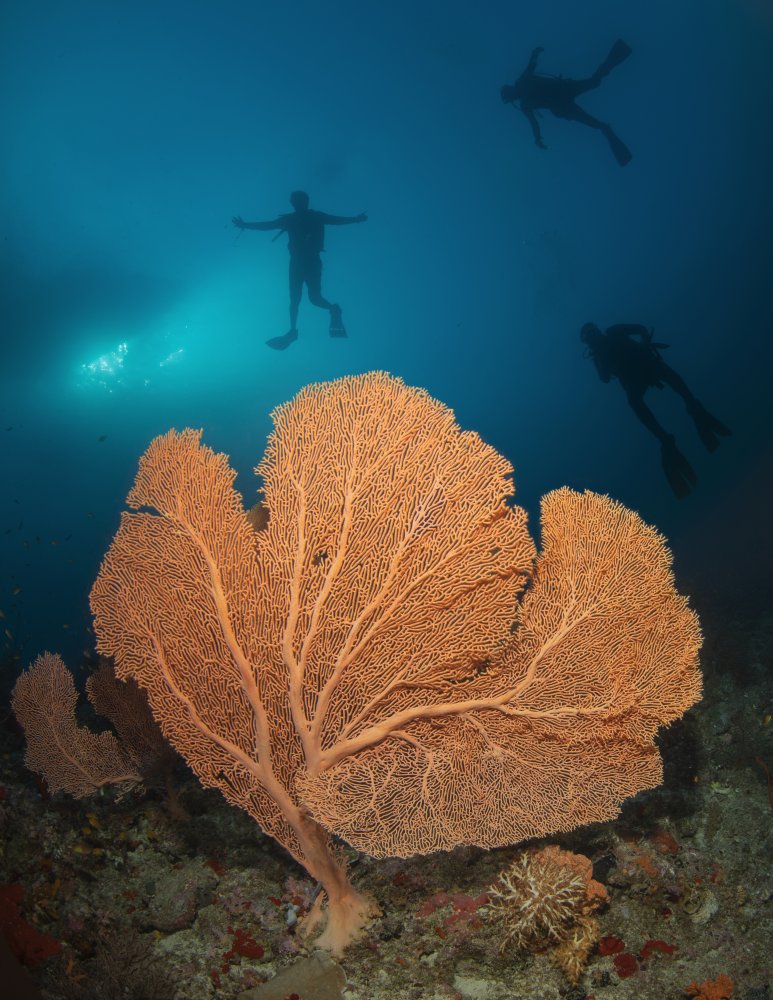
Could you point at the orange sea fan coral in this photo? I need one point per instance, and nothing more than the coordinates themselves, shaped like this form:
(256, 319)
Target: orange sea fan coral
(369, 663)
(70, 757)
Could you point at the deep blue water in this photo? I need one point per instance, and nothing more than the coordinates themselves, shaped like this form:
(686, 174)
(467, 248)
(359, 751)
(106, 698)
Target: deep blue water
(133, 132)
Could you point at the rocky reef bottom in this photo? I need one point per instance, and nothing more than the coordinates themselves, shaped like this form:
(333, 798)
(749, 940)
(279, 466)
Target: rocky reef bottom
(105, 899)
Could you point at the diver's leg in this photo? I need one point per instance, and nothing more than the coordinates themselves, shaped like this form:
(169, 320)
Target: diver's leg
(314, 284)
(296, 287)
(645, 414)
(667, 374)
(573, 112)
(678, 471)
(581, 86)
(707, 425)
(337, 328)
(617, 54)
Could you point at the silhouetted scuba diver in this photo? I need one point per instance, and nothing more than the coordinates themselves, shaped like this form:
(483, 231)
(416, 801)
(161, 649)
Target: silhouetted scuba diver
(638, 366)
(306, 231)
(557, 94)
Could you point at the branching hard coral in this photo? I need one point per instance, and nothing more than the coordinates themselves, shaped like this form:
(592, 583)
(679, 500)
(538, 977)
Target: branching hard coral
(545, 900)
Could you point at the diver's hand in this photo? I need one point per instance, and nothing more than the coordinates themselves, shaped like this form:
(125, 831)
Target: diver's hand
(362, 217)
(238, 222)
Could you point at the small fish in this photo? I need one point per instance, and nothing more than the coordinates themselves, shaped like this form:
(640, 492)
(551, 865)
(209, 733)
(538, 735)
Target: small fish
(90, 513)
(16, 590)
(53, 542)
(9, 634)
(102, 437)
(65, 626)
(2, 615)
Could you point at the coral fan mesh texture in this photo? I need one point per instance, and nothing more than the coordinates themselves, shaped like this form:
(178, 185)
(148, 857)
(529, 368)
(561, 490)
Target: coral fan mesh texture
(70, 757)
(358, 653)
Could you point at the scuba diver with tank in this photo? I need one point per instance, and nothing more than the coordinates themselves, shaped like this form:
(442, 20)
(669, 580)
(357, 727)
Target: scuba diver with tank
(628, 353)
(305, 229)
(533, 92)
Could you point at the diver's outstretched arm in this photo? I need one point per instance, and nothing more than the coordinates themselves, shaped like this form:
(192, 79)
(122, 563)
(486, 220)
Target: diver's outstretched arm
(343, 220)
(535, 54)
(264, 226)
(532, 119)
(530, 67)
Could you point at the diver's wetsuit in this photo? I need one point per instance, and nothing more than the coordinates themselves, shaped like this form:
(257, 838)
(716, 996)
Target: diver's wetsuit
(306, 232)
(638, 366)
(534, 92)
(626, 351)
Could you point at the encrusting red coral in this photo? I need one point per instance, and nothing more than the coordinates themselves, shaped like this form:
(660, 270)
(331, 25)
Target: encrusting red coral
(625, 965)
(27, 943)
(611, 945)
(655, 944)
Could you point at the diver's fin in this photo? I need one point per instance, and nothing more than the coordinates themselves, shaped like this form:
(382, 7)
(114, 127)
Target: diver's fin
(280, 343)
(620, 151)
(337, 328)
(708, 427)
(617, 54)
(679, 473)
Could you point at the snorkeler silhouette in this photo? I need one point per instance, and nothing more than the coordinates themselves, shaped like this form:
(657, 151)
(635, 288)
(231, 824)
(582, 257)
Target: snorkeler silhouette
(306, 231)
(638, 366)
(533, 91)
